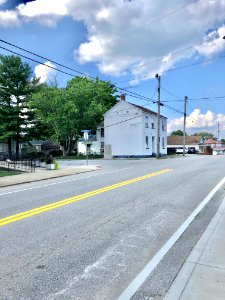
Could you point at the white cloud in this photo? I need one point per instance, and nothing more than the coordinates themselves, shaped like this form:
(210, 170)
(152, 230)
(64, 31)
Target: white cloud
(45, 73)
(155, 41)
(214, 43)
(115, 43)
(44, 12)
(2, 1)
(198, 121)
(9, 18)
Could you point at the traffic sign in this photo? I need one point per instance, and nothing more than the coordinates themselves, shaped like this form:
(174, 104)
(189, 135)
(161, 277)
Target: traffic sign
(85, 135)
(85, 130)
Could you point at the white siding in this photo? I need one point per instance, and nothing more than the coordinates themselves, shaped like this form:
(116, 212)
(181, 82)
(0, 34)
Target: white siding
(127, 128)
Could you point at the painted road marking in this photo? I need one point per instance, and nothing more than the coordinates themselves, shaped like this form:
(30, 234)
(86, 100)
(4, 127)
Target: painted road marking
(60, 182)
(153, 263)
(54, 205)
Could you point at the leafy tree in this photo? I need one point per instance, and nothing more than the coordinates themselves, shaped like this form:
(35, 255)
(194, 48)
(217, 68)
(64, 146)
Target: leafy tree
(223, 141)
(204, 134)
(80, 105)
(177, 133)
(15, 90)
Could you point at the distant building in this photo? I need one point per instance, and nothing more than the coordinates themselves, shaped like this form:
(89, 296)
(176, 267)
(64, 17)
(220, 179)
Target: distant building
(4, 146)
(95, 143)
(212, 147)
(131, 131)
(190, 141)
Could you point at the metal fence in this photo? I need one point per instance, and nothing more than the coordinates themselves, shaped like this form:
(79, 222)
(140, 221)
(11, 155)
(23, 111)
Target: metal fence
(19, 164)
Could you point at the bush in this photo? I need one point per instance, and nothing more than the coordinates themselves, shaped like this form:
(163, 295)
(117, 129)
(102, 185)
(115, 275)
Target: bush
(40, 154)
(56, 153)
(49, 160)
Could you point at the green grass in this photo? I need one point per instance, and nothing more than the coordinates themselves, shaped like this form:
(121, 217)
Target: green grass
(4, 172)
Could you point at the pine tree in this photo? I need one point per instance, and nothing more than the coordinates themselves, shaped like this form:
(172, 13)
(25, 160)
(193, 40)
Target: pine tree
(16, 87)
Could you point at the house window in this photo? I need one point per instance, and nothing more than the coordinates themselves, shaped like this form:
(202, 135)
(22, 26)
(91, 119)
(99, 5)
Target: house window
(153, 124)
(146, 142)
(163, 143)
(102, 132)
(163, 126)
(102, 148)
(146, 122)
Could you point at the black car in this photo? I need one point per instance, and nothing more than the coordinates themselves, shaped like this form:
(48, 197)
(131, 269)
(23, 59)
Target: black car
(192, 150)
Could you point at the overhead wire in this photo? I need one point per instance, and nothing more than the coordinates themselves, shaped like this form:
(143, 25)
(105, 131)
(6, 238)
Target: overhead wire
(174, 69)
(132, 94)
(147, 24)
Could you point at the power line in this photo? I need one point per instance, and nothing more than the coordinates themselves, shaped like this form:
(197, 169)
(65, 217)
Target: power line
(197, 99)
(170, 93)
(171, 54)
(45, 58)
(175, 69)
(131, 94)
(147, 24)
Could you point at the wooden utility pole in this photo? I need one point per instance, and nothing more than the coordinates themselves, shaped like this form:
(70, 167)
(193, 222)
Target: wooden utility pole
(158, 117)
(184, 129)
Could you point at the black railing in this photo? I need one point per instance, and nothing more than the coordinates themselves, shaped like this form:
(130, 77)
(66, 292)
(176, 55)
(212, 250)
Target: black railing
(19, 164)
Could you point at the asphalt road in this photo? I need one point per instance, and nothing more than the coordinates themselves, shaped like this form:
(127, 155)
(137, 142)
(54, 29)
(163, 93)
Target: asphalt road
(92, 246)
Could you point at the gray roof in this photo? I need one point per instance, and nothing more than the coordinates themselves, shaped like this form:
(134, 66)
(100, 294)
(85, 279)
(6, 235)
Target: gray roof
(146, 110)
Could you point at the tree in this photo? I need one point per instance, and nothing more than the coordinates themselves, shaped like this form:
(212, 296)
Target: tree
(15, 90)
(177, 133)
(80, 105)
(204, 134)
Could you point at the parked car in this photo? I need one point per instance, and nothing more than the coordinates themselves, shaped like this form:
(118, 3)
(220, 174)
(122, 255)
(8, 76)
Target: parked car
(192, 150)
(179, 150)
(171, 150)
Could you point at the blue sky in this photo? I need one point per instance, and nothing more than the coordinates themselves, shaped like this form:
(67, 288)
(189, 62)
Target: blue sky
(117, 40)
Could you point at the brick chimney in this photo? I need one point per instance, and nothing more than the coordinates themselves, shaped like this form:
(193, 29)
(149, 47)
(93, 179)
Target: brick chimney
(123, 97)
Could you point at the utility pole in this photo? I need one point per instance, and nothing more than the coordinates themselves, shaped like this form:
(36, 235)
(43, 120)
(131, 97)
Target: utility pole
(184, 128)
(158, 117)
(218, 132)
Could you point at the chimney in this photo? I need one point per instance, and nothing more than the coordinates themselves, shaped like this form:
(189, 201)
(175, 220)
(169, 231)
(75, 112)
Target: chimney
(123, 97)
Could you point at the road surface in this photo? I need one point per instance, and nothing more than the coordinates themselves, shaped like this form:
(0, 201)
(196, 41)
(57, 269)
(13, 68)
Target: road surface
(88, 236)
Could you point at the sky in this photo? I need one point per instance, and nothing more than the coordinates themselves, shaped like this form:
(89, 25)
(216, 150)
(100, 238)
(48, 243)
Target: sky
(127, 42)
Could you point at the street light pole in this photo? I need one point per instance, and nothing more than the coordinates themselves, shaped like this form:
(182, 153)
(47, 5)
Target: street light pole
(158, 117)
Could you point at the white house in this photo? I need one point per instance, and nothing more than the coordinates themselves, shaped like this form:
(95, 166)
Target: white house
(131, 131)
(95, 143)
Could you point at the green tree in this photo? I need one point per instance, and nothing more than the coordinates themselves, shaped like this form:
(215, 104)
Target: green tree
(16, 87)
(204, 134)
(177, 133)
(80, 105)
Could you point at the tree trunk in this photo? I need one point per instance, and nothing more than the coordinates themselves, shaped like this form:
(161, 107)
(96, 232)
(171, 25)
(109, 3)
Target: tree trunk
(10, 146)
(17, 144)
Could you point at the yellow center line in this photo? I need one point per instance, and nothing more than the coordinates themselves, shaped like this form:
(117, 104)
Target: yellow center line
(54, 205)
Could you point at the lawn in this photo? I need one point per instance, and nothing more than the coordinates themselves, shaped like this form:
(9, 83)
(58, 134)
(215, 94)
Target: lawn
(5, 172)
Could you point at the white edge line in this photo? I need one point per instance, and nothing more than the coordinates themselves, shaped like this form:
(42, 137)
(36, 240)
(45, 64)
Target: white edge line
(60, 182)
(151, 265)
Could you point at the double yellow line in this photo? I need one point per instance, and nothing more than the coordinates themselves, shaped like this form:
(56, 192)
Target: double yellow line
(41, 209)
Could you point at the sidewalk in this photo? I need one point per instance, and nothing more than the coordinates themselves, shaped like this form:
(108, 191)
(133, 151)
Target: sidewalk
(202, 276)
(42, 174)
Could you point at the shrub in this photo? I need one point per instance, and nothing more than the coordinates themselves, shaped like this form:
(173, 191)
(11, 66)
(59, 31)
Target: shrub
(49, 159)
(56, 153)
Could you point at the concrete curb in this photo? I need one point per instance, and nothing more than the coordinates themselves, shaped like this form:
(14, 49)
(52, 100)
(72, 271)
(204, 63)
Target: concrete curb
(34, 177)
